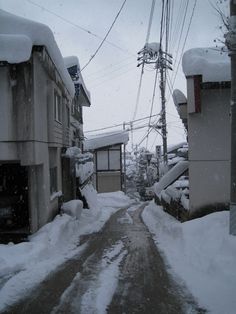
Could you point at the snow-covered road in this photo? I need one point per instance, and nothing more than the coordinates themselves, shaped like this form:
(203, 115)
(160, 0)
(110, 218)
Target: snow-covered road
(118, 270)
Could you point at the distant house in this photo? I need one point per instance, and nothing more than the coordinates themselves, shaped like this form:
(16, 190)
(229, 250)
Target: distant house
(37, 94)
(107, 149)
(207, 72)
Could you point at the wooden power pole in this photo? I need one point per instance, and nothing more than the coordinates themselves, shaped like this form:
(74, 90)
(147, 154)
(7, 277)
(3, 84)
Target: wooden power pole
(231, 44)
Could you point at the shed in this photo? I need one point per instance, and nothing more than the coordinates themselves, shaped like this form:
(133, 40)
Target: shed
(107, 149)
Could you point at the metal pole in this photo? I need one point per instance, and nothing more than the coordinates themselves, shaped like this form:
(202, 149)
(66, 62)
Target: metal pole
(231, 44)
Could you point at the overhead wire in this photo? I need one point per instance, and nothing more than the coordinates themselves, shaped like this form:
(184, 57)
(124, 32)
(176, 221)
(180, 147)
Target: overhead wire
(102, 42)
(185, 40)
(153, 98)
(142, 68)
(121, 124)
(78, 26)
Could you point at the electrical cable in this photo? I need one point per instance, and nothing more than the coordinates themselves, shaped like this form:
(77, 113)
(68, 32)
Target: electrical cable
(78, 26)
(142, 69)
(102, 42)
(120, 124)
(153, 98)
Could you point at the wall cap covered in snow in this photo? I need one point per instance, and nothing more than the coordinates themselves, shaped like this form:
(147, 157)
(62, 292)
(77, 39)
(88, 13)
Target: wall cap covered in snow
(212, 63)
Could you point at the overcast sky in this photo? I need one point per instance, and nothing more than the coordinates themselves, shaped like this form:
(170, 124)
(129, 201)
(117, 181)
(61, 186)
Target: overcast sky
(112, 76)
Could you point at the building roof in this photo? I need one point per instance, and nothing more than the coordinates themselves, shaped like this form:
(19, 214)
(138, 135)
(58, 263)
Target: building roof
(212, 63)
(73, 61)
(179, 97)
(17, 38)
(106, 139)
(172, 175)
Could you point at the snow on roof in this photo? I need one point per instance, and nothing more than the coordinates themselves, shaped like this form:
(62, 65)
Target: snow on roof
(173, 174)
(106, 139)
(179, 97)
(17, 38)
(173, 147)
(72, 61)
(212, 63)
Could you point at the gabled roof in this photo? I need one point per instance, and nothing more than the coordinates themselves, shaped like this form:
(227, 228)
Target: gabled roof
(17, 38)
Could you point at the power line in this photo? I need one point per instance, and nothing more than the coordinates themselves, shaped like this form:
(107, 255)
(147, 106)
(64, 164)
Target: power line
(102, 42)
(190, 21)
(120, 124)
(78, 26)
(142, 69)
(153, 98)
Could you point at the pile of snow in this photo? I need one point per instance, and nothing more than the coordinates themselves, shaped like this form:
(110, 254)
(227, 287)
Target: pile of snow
(201, 252)
(73, 208)
(84, 165)
(17, 38)
(212, 63)
(84, 171)
(106, 139)
(24, 265)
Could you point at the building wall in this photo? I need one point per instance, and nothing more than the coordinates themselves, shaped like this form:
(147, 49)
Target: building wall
(28, 129)
(209, 150)
(108, 181)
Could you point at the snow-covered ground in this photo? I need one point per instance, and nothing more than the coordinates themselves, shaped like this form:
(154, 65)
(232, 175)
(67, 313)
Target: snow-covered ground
(200, 252)
(24, 265)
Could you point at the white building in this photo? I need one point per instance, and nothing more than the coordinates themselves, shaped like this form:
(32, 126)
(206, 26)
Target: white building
(37, 93)
(207, 72)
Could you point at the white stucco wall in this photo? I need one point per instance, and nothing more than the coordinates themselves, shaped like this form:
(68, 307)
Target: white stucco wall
(209, 150)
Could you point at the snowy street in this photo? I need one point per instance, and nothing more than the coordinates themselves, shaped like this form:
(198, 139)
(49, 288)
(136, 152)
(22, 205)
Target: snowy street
(118, 270)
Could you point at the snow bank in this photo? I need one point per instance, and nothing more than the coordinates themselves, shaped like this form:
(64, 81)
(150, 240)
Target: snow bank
(201, 252)
(19, 35)
(106, 139)
(212, 63)
(24, 265)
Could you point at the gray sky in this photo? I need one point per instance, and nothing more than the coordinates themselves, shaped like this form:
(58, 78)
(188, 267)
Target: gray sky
(112, 76)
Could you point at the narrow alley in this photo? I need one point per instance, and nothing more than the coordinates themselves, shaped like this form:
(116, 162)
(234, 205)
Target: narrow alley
(118, 271)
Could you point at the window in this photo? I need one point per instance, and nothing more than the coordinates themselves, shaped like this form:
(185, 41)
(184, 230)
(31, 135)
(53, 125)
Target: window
(109, 159)
(57, 107)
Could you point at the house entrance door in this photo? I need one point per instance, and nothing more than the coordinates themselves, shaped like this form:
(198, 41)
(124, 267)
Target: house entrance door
(14, 208)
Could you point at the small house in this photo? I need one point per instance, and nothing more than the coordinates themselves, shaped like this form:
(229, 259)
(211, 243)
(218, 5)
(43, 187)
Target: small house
(108, 150)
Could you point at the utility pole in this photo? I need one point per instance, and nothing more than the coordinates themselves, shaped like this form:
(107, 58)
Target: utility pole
(161, 62)
(231, 44)
(124, 162)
